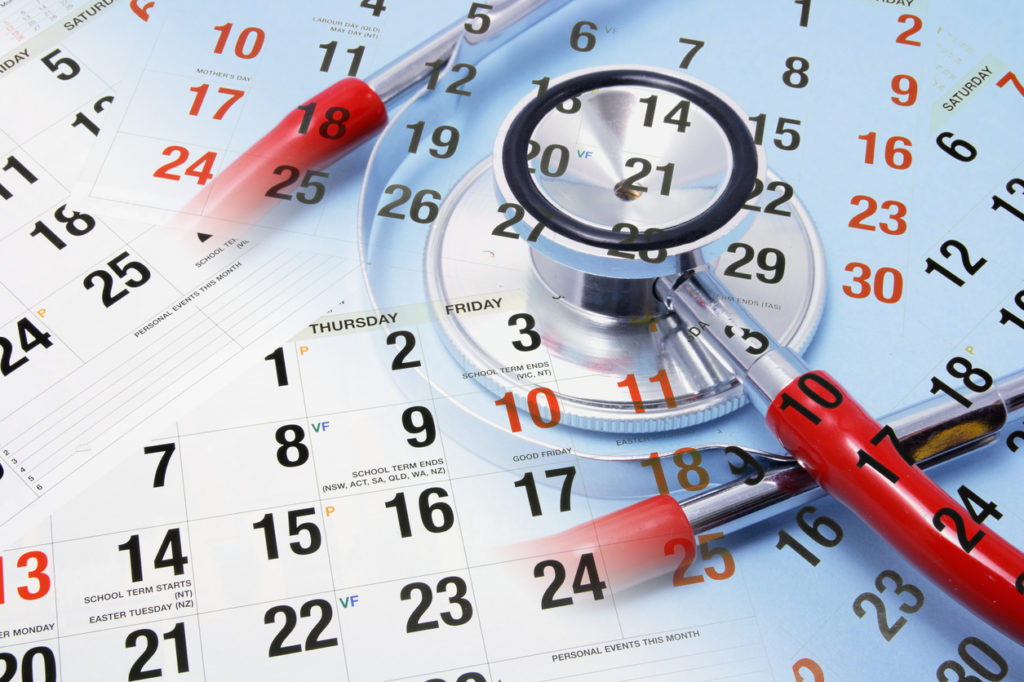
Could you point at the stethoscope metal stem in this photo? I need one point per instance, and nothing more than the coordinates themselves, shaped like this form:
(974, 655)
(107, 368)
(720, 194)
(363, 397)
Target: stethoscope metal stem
(697, 296)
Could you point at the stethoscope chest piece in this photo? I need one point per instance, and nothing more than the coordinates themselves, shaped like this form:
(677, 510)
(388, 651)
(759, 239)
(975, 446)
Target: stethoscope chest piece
(542, 261)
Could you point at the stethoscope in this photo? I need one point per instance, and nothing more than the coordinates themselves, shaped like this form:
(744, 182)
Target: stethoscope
(622, 176)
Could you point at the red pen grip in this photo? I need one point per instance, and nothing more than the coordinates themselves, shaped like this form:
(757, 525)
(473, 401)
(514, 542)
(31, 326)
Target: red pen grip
(309, 138)
(642, 541)
(857, 461)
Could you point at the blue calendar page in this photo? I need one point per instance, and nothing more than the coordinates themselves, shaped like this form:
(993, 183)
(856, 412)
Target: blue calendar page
(364, 501)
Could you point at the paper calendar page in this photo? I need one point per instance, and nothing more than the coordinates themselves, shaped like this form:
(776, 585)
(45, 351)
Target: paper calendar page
(108, 323)
(288, 528)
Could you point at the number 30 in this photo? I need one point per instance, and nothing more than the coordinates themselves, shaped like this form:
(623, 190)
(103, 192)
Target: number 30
(887, 283)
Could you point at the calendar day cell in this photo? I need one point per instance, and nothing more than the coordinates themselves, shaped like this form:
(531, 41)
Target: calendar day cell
(228, 42)
(270, 96)
(64, 146)
(28, 608)
(840, 619)
(402, 627)
(563, 597)
(362, 367)
(477, 446)
(448, 374)
(155, 171)
(296, 638)
(336, 50)
(863, 145)
(60, 242)
(260, 555)
(708, 588)
(36, 660)
(125, 578)
(252, 467)
(112, 298)
(147, 482)
(985, 120)
(390, 534)
(26, 188)
(49, 89)
(34, 355)
(502, 514)
(168, 648)
(877, 213)
(195, 108)
(271, 388)
(373, 449)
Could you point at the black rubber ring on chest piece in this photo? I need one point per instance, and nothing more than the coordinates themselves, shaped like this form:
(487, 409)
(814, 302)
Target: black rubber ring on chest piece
(737, 188)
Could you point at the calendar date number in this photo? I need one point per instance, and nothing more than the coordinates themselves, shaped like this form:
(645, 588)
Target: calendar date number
(29, 336)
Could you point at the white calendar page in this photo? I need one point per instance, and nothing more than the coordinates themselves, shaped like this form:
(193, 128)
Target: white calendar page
(357, 506)
(287, 528)
(111, 325)
(333, 519)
